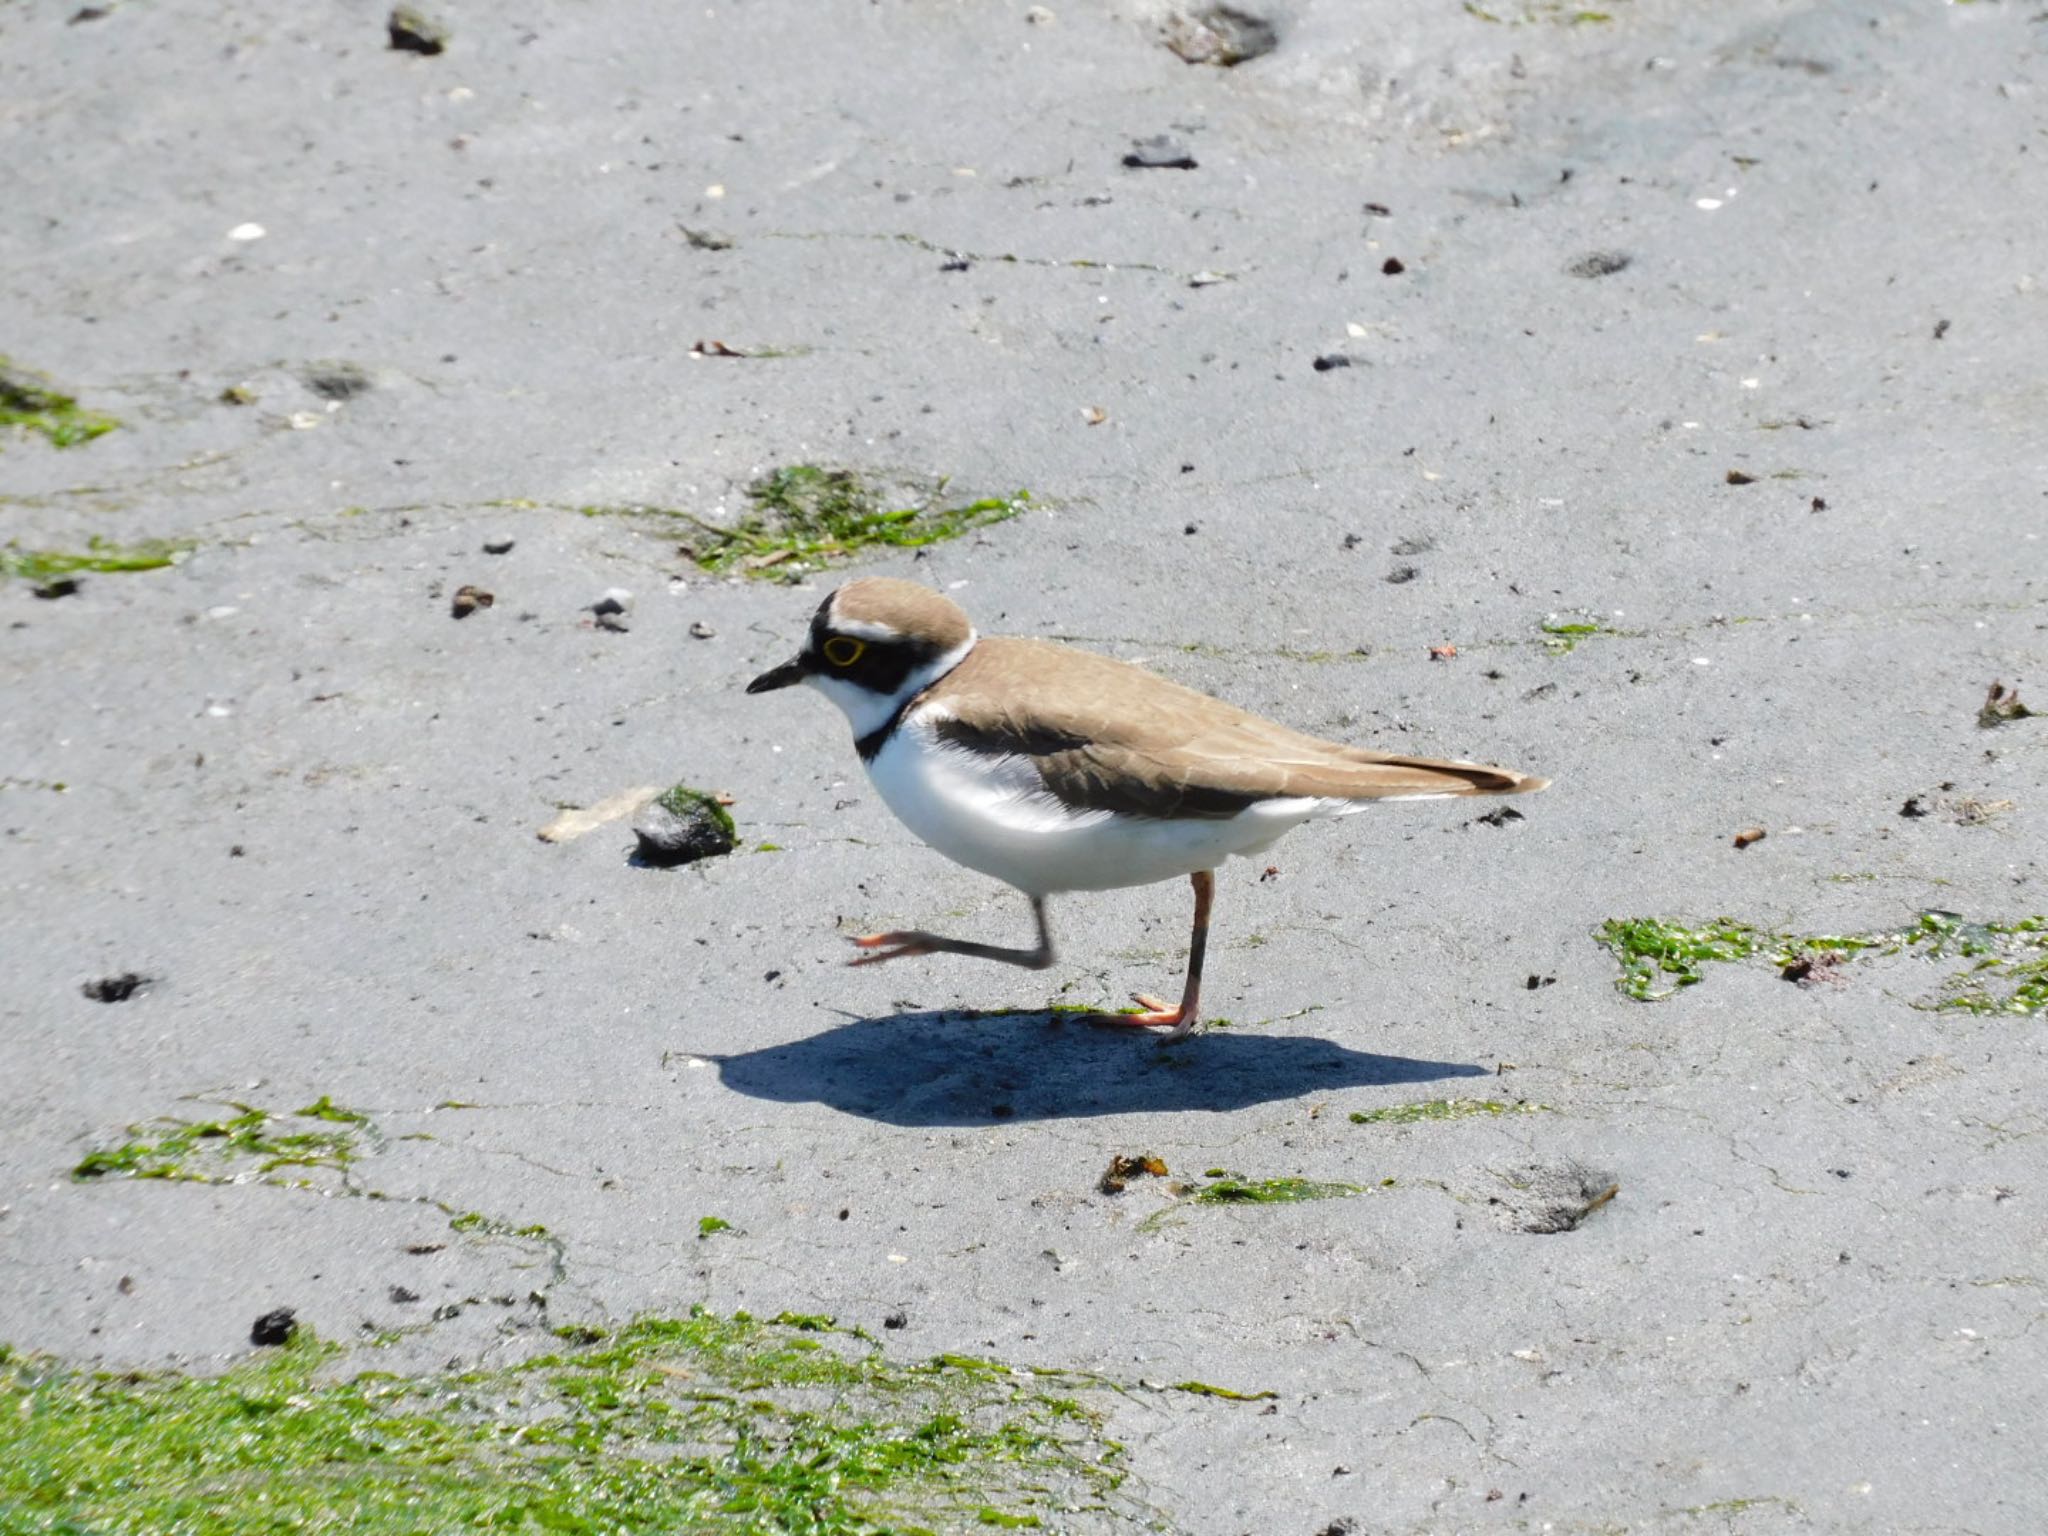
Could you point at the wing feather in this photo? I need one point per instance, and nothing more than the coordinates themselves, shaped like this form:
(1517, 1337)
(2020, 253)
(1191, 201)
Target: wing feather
(1106, 735)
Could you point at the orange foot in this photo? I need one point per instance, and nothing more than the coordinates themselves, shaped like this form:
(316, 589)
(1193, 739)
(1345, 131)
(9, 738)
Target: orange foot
(893, 946)
(1156, 1013)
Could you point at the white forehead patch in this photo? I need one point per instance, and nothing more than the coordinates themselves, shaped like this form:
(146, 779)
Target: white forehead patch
(860, 629)
(864, 629)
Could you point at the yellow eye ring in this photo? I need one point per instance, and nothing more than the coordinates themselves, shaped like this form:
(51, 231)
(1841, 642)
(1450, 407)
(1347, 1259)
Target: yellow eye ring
(843, 651)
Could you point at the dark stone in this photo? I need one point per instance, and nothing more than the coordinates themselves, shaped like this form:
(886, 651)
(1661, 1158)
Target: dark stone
(682, 827)
(275, 1327)
(1160, 153)
(1331, 360)
(412, 32)
(116, 989)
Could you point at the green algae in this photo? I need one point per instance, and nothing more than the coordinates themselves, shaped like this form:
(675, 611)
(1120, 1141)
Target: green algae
(804, 516)
(29, 401)
(1225, 1188)
(2005, 970)
(99, 555)
(1563, 632)
(249, 1143)
(1556, 13)
(681, 800)
(699, 1423)
(1204, 1389)
(1444, 1109)
(1650, 948)
(476, 1222)
(2008, 971)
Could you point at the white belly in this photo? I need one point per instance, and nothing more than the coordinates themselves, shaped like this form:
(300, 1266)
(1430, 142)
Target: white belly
(994, 815)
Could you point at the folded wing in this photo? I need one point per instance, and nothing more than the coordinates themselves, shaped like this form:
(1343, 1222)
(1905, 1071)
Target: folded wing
(1109, 736)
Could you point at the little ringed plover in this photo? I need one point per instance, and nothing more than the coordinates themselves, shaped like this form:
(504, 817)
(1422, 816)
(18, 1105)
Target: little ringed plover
(1054, 769)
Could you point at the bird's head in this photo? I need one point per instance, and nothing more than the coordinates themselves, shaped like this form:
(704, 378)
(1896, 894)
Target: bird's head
(874, 644)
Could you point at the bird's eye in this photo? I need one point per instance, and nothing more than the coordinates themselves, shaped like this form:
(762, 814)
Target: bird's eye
(842, 651)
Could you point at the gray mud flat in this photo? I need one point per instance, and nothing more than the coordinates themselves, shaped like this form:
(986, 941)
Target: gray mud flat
(1678, 367)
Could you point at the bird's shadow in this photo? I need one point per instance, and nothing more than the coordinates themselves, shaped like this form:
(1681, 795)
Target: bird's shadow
(955, 1067)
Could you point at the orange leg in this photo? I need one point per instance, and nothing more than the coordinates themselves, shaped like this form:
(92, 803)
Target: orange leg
(898, 946)
(1181, 1020)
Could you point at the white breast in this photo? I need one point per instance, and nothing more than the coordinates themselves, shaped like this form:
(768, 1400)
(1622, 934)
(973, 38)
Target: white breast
(993, 814)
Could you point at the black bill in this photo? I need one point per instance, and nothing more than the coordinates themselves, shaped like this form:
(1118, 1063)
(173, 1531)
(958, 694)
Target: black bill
(791, 671)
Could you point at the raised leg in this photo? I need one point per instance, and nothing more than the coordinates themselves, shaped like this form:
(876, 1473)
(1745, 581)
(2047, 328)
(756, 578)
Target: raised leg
(1182, 1019)
(896, 946)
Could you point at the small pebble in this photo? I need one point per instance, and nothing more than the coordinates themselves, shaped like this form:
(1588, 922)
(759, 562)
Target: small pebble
(701, 631)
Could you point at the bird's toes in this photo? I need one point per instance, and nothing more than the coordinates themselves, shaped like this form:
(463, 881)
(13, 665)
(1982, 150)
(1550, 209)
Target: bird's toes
(889, 946)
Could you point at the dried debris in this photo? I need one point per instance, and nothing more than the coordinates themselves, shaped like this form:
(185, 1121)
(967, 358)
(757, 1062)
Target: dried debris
(339, 382)
(1821, 965)
(1599, 264)
(1962, 810)
(574, 821)
(1749, 835)
(1123, 1168)
(2002, 704)
(468, 599)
